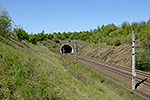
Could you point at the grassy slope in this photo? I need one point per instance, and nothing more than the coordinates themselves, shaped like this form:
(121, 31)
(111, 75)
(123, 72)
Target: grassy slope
(34, 72)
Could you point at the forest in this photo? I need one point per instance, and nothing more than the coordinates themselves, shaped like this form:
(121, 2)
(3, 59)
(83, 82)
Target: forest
(109, 34)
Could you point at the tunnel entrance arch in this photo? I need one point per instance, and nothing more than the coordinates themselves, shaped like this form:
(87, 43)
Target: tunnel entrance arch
(66, 48)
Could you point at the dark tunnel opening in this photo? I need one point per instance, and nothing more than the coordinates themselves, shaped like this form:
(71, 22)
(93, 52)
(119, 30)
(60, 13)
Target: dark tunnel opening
(66, 49)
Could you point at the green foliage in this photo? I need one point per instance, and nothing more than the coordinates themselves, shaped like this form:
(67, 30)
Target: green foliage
(109, 28)
(143, 61)
(142, 25)
(134, 25)
(40, 74)
(33, 39)
(22, 35)
(110, 34)
(113, 34)
(5, 22)
(127, 39)
(54, 45)
(116, 41)
(50, 36)
(69, 40)
(124, 24)
(50, 48)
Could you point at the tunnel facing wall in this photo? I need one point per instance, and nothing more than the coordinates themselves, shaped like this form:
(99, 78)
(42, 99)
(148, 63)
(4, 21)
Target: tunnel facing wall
(66, 48)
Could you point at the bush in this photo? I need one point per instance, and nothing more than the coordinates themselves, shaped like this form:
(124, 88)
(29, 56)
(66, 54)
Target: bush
(69, 40)
(113, 34)
(21, 34)
(143, 61)
(5, 22)
(33, 40)
(109, 41)
(145, 43)
(128, 39)
(116, 42)
(50, 48)
(57, 41)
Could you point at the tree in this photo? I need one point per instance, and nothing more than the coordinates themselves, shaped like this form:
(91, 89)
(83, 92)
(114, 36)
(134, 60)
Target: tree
(5, 22)
(116, 41)
(124, 24)
(21, 34)
(134, 26)
(102, 27)
(142, 24)
(148, 22)
(143, 61)
(50, 36)
(33, 39)
(42, 35)
(113, 34)
(109, 28)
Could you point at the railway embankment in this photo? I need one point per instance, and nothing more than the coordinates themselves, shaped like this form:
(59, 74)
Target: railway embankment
(35, 72)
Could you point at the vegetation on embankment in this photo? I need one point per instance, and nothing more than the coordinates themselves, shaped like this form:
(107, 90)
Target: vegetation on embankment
(34, 72)
(109, 34)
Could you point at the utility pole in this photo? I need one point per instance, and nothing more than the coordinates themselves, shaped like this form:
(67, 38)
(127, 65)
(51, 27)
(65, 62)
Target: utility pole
(75, 48)
(99, 48)
(133, 61)
(63, 51)
(78, 47)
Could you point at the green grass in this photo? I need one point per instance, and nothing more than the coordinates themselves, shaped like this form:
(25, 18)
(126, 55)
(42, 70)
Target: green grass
(34, 72)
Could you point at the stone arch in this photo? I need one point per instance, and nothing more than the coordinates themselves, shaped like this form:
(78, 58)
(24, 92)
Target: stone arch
(66, 48)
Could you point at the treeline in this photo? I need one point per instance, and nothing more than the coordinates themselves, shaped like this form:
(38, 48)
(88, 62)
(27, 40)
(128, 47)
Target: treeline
(109, 34)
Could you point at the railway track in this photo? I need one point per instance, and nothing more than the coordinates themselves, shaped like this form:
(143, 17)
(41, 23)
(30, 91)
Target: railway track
(119, 73)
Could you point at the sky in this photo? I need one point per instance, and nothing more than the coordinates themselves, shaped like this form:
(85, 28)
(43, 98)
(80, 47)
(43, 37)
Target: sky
(74, 15)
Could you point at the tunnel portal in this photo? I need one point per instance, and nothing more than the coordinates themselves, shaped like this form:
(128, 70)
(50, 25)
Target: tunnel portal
(66, 49)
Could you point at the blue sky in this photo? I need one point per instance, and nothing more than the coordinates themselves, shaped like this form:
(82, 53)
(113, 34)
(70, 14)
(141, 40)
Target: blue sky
(74, 15)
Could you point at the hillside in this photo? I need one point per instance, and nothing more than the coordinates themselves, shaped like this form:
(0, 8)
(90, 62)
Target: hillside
(35, 72)
(120, 55)
(112, 36)
(32, 70)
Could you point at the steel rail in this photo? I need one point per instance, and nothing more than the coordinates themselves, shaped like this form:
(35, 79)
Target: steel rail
(113, 80)
(114, 71)
(147, 75)
(124, 69)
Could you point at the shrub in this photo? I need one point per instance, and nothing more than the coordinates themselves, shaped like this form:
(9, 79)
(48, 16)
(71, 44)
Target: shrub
(21, 34)
(143, 61)
(116, 42)
(113, 34)
(50, 48)
(69, 40)
(5, 22)
(128, 39)
(33, 40)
